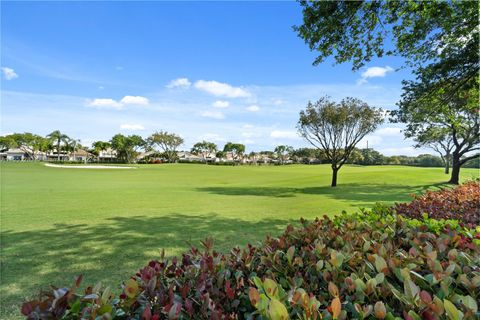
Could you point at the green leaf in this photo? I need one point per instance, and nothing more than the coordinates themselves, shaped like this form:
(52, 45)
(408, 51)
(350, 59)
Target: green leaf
(411, 289)
(452, 312)
(277, 311)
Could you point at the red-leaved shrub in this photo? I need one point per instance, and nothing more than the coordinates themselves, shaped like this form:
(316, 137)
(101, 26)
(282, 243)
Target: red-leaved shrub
(461, 203)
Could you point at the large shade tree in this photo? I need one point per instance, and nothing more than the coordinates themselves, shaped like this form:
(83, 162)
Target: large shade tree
(439, 41)
(167, 142)
(27, 142)
(338, 127)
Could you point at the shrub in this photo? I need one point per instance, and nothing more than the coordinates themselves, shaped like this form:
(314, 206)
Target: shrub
(461, 203)
(372, 264)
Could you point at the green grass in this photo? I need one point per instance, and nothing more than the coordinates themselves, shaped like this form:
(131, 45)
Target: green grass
(57, 223)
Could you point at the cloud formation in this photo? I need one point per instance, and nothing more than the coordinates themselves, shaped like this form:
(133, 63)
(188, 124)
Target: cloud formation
(182, 83)
(9, 73)
(253, 108)
(105, 103)
(374, 72)
(136, 100)
(113, 104)
(220, 89)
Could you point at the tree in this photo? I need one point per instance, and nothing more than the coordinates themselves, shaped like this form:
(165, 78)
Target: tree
(204, 149)
(283, 152)
(127, 147)
(72, 145)
(440, 140)
(27, 142)
(99, 146)
(337, 127)
(58, 137)
(438, 38)
(371, 157)
(168, 142)
(457, 116)
(236, 149)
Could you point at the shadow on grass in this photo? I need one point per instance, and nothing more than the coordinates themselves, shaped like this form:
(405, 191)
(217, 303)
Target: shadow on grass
(110, 250)
(365, 193)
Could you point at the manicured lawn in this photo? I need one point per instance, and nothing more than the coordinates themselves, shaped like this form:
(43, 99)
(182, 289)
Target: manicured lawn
(57, 223)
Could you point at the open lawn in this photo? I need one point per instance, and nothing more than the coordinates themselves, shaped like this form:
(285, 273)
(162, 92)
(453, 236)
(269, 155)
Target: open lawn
(57, 223)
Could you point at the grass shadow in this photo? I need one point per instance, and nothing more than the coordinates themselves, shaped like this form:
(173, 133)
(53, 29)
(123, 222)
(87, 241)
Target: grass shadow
(111, 250)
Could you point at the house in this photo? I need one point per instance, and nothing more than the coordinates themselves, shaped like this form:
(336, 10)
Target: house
(16, 154)
(108, 155)
(80, 155)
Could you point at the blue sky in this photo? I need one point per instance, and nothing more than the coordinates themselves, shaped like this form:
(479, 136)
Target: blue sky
(220, 71)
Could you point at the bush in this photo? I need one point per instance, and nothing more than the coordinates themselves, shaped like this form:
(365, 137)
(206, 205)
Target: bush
(461, 203)
(371, 264)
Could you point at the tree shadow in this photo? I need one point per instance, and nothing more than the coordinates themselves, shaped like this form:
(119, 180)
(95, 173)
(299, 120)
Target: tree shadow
(111, 250)
(352, 192)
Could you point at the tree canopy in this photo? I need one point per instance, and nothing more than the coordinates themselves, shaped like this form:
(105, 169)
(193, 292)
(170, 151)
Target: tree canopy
(167, 142)
(127, 147)
(338, 127)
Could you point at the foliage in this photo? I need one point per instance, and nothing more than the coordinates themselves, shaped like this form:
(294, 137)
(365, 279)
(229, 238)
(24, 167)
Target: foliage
(127, 147)
(371, 264)
(27, 142)
(236, 149)
(461, 203)
(58, 138)
(204, 148)
(283, 152)
(168, 142)
(336, 128)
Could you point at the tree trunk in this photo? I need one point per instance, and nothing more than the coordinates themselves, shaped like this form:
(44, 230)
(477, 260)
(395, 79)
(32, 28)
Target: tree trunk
(58, 150)
(454, 179)
(447, 163)
(334, 176)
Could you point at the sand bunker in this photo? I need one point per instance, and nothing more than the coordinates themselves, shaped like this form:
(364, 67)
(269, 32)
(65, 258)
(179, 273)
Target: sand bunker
(86, 166)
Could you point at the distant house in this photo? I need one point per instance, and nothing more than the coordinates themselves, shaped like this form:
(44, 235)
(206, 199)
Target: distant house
(108, 155)
(80, 155)
(15, 154)
(188, 156)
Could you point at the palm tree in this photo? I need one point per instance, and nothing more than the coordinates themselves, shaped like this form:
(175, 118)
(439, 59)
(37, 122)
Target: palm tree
(72, 145)
(58, 137)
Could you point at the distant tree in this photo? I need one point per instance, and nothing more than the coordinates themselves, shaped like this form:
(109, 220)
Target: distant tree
(356, 157)
(338, 127)
(58, 138)
(440, 140)
(428, 160)
(236, 149)
(72, 145)
(27, 142)
(99, 146)
(371, 157)
(283, 152)
(220, 154)
(167, 142)
(127, 147)
(204, 149)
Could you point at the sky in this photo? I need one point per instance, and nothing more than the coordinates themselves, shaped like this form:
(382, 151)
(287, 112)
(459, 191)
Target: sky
(216, 71)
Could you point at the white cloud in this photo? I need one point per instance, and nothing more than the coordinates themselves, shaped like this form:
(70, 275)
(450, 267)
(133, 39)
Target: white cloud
(137, 100)
(253, 108)
(183, 83)
(389, 131)
(101, 87)
(220, 89)
(374, 72)
(213, 114)
(279, 134)
(9, 73)
(248, 141)
(221, 104)
(247, 126)
(278, 102)
(104, 103)
(133, 127)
